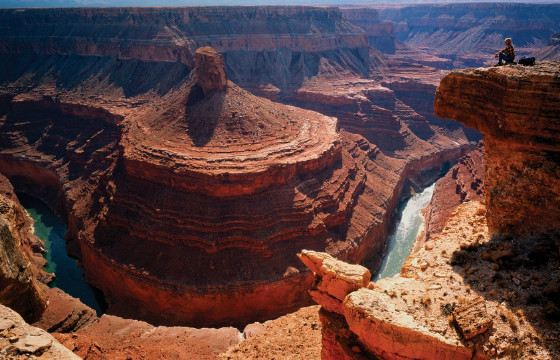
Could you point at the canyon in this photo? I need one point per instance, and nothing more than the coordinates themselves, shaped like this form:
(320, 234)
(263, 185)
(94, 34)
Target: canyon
(122, 152)
(194, 152)
(482, 282)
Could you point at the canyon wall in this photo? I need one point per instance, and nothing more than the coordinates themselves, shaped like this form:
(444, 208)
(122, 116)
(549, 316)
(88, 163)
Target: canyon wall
(380, 33)
(278, 46)
(552, 51)
(141, 147)
(516, 108)
(19, 288)
(480, 283)
(448, 36)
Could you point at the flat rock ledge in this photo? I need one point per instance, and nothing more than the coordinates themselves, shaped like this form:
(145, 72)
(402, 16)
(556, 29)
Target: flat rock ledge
(361, 319)
(517, 108)
(462, 294)
(19, 340)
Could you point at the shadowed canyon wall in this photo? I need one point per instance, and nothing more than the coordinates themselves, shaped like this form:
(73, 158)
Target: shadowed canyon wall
(19, 289)
(261, 45)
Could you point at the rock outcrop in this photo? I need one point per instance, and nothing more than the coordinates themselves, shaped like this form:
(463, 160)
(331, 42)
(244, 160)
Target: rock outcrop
(481, 283)
(19, 340)
(18, 286)
(461, 295)
(210, 70)
(363, 318)
(516, 108)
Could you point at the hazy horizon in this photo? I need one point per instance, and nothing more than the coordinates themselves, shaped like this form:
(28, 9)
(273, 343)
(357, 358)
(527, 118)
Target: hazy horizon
(178, 3)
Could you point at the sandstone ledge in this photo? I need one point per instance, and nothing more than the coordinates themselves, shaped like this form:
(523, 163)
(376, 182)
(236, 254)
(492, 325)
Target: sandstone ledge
(517, 109)
(515, 104)
(425, 313)
(19, 340)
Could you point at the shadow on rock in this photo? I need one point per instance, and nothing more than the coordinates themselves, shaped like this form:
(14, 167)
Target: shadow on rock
(523, 276)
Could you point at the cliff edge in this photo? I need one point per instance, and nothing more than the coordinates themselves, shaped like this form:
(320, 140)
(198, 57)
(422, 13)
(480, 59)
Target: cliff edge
(517, 109)
(484, 282)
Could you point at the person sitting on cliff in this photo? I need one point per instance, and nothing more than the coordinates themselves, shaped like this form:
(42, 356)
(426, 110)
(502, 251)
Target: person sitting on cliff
(507, 55)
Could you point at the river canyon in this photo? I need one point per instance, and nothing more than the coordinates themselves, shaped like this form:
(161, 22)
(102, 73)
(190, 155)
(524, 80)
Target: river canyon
(182, 170)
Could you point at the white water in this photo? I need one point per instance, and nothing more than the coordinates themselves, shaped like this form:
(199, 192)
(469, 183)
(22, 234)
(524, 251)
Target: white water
(408, 227)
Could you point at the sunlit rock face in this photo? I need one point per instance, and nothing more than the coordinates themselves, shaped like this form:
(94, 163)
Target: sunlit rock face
(517, 109)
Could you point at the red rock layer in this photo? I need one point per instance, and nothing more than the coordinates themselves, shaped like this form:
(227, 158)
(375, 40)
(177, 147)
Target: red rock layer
(261, 186)
(463, 182)
(179, 184)
(516, 108)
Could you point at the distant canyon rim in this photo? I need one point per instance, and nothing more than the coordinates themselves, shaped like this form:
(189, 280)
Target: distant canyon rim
(193, 152)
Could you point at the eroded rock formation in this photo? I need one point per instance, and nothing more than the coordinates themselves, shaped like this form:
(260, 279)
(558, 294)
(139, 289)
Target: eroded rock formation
(210, 71)
(516, 108)
(465, 292)
(139, 156)
(18, 286)
(19, 340)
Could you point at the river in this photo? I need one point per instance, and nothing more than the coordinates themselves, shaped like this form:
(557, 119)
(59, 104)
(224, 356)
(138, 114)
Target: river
(407, 228)
(69, 276)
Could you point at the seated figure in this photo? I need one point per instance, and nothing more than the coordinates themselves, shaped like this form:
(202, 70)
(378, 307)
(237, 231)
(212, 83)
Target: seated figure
(506, 55)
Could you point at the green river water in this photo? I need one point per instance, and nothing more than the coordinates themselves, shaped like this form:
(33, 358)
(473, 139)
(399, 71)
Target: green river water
(69, 276)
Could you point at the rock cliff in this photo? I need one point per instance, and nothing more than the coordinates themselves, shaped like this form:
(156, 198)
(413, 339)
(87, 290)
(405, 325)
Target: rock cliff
(18, 285)
(19, 340)
(380, 33)
(143, 48)
(516, 108)
(480, 283)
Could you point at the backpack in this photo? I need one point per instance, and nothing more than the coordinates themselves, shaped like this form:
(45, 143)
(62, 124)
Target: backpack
(527, 61)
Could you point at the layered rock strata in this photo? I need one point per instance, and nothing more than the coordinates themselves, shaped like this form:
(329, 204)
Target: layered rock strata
(134, 134)
(251, 170)
(260, 180)
(463, 290)
(380, 33)
(18, 286)
(516, 108)
(280, 46)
